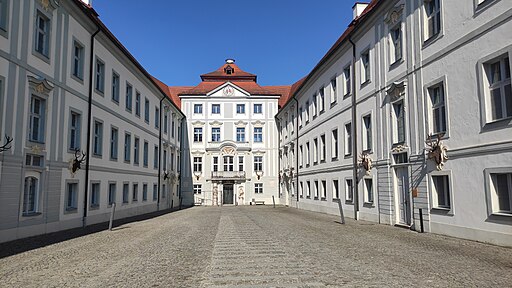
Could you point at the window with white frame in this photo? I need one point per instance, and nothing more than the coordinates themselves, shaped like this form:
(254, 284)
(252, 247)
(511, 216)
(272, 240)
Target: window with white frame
(144, 192)
(215, 163)
(95, 195)
(300, 117)
(301, 190)
(137, 103)
(31, 195)
(241, 163)
(334, 90)
(335, 189)
(136, 150)
(229, 163)
(4, 14)
(321, 99)
(258, 163)
(115, 87)
(334, 144)
(72, 197)
(198, 134)
(316, 192)
(315, 151)
(323, 191)
(157, 117)
(348, 139)
(441, 191)
(433, 18)
(42, 34)
(127, 146)
(78, 59)
(146, 110)
(306, 112)
(365, 66)
(501, 192)
(399, 122)
(198, 108)
(322, 148)
(258, 134)
(301, 156)
(314, 104)
(145, 156)
(111, 193)
(155, 192)
(198, 188)
(395, 47)
(129, 95)
(215, 108)
(347, 84)
(34, 160)
(164, 160)
(240, 134)
(308, 155)
(126, 193)
(113, 143)
(258, 188)
(258, 108)
(74, 130)
(135, 192)
(240, 108)
(499, 88)
(349, 190)
(155, 157)
(198, 164)
(100, 76)
(37, 119)
(368, 190)
(367, 133)
(438, 109)
(215, 134)
(173, 125)
(98, 138)
(166, 121)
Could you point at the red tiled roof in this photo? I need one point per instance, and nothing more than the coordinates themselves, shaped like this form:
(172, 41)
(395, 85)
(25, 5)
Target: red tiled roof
(220, 74)
(251, 87)
(172, 92)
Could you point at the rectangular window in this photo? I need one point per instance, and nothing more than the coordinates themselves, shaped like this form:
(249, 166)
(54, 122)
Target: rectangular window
(399, 115)
(127, 147)
(240, 134)
(258, 108)
(433, 15)
(441, 191)
(37, 119)
(146, 110)
(258, 134)
(155, 192)
(198, 134)
(215, 108)
(335, 189)
(95, 195)
(98, 138)
(198, 108)
(216, 134)
(42, 35)
(334, 144)
(258, 163)
(113, 143)
(315, 151)
(396, 44)
(74, 131)
(349, 190)
(308, 189)
(172, 125)
(129, 95)
(215, 163)
(500, 89)
(31, 195)
(115, 87)
(321, 100)
(347, 84)
(301, 190)
(258, 188)
(100, 76)
(111, 193)
(368, 190)
(348, 139)
(323, 192)
(301, 156)
(438, 116)
(197, 189)
(240, 108)
(34, 160)
(78, 59)
(365, 67)
(4, 14)
(155, 157)
(308, 155)
(72, 197)
(135, 192)
(137, 104)
(322, 148)
(314, 104)
(367, 133)
(157, 117)
(334, 90)
(229, 163)
(146, 154)
(144, 192)
(136, 149)
(300, 117)
(164, 160)
(241, 163)
(306, 112)
(126, 192)
(316, 189)
(501, 192)
(198, 164)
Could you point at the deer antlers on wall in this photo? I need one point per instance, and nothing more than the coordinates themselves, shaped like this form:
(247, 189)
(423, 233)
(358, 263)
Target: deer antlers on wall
(77, 162)
(437, 151)
(6, 146)
(366, 162)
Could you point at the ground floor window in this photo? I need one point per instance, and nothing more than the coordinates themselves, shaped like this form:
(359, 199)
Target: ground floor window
(441, 191)
(368, 190)
(258, 188)
(197, 188)
(95, 195)
(501, 190)
(71, 196)
(349, 191)
(111, 193)
(31, 195)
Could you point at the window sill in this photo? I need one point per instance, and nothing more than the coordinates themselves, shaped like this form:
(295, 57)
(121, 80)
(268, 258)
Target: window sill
(308, 197)
(347, 156)
(322, 161)
(498, 124)
(365, 83)
(99, 92)
(41, 56)
(347, 96)
(483, 6)
(432, 39)
(77, 78)
(334, 159)
(322, 112)
(94, 207)
(71, 210)
(441, 211)
(99, 156)
(396, 64)
(349, 202)
(113, 159)
(323, 199)
(333, 104)
(369, 205)
(502, 214)
(31, 214)
(314, 117)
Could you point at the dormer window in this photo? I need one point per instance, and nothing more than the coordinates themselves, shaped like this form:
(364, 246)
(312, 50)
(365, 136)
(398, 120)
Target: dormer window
(229, 70)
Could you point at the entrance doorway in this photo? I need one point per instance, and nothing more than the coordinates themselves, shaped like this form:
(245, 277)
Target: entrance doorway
(227, 194)
(403, 196)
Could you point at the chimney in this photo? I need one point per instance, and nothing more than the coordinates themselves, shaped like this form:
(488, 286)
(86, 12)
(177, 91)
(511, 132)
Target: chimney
(87, 2)
(358, 8)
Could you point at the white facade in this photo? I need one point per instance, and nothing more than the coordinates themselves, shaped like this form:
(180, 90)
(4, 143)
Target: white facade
(411, 80)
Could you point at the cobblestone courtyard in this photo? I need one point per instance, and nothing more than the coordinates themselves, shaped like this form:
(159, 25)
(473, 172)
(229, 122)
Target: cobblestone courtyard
(258, 247)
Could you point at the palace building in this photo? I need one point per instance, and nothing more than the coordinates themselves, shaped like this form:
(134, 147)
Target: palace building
(406, 121)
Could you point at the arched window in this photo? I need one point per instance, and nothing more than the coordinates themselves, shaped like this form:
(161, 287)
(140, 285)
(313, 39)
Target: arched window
(31, 195)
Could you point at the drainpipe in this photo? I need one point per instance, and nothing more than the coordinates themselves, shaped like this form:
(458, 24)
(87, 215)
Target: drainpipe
(89, 119)
(278, 156)
(296, 148)
(159, 154)
(181, 160)
(354, 133)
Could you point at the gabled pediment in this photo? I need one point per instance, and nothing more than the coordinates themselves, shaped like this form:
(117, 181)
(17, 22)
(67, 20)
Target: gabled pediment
(396, 90)
(228, 89)
(40, 85)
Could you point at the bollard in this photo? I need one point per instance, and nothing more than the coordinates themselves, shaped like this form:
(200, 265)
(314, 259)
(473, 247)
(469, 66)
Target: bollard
(112, 216)
(274, 201)
(421, 221)
(341, 212)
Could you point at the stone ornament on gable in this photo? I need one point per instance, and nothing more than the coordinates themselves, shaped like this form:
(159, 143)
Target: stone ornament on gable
(216, 123)
(258, 123)
(39, 85)
(48, 5)
(437, 151)
(395, 15)
(396, 91)
(399, 148)
(228, 150)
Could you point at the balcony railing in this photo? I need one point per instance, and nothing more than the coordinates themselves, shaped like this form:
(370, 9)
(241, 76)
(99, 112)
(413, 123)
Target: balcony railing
(228, 175)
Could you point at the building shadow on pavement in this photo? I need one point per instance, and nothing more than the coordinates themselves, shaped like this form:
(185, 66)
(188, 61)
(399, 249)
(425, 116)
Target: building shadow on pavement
(26, 244)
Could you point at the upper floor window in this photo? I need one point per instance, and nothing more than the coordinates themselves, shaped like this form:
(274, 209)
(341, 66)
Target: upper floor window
(115, 87)
(258, 134)
(129, 94)
(258, 108)
(229, 163)
(396, 43)
(399, 122)
(215, 108)
(334, 90)
(500, 91)
(346, 83)
(240, 134)
(136, 149)
(113, 143)
(198, 134)
(240, 163)
(155, 157)
(4, 13)
(137, 104)
(321, 100)
(348, 139)
(367, 133)
(146, 110)
(145, 155)
(240, 108)
(37, 119)
(438, 114)
(100, 76)
(42, 35)
(215, 163)
(258, 163)
(198, 108)
(306, 112)
(166, 121)
(365, 66)
(314, 104)
(216, 134)
(334, 144)
(78, 59)
(433, 18)
(300, 117)
(157, 117)
(74, 131)
(98, 138)
(127, 146)
(198, 164)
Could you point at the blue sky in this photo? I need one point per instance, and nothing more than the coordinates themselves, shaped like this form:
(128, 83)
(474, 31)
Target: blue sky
(177, 40)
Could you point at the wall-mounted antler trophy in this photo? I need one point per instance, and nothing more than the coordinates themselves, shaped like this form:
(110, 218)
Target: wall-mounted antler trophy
(366, 162)
(6, 146)
(437, 151)
(77, 162)
(165, 175)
